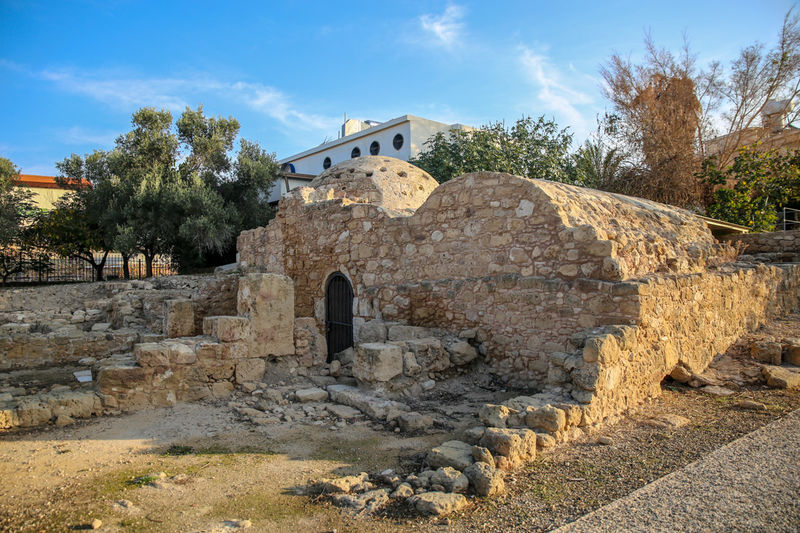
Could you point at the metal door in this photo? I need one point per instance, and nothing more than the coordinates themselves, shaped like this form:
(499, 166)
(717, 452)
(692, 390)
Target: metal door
(338, 314)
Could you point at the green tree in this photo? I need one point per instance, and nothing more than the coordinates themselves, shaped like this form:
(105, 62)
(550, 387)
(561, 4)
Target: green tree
(166, 208)
(600, 166)
(244, 182)
(83, 223)
(754, 187)
(530, 148)
(16, 211)
(165, 191)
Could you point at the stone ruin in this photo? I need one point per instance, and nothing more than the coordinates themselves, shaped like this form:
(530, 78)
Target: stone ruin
(380, 285)
(588, 297)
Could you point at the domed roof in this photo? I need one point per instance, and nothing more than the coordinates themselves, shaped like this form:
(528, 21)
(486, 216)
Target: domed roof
(386, 181)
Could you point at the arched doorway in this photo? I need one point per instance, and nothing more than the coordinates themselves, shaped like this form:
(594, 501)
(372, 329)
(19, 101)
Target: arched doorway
(338, 314)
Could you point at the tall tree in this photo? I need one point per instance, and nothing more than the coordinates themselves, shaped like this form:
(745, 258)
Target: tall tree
(16, 211)
(167, 207)
(670, 115)
(530, 148)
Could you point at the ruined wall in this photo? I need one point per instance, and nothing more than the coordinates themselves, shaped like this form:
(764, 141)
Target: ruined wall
(232, 349)
(521, 319)
(65, 323)
(683, 320)
(767, 242)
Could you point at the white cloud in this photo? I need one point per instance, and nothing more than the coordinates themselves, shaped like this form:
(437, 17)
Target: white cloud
(554, 93)
(277, 105)
(446, 28)
(122, 93)
(128, 93)
(82, 136)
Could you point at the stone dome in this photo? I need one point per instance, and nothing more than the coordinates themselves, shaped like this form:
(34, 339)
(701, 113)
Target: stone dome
(391, 183)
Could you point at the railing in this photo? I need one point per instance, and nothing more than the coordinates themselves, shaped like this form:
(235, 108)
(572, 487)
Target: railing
(794, 221)
(50, 269)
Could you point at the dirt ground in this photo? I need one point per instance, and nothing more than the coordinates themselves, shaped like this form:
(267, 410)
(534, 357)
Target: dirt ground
(197, 467)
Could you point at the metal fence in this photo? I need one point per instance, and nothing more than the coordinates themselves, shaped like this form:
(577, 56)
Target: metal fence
(52, 269)
(791, 218)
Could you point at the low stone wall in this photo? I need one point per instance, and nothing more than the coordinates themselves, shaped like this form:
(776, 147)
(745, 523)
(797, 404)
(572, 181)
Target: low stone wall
(232, 349)
(684, 322)
(519, 320)
(767, 242)
(65, 323)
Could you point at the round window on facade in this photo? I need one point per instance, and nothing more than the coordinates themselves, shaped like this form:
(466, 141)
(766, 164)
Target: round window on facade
(397, 142)
(355, 153)
(326, 163)
(374, 148)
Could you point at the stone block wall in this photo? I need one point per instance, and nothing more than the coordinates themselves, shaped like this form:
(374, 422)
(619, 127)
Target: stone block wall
(477, 225)
(232, 349)
(58, 324)
(767, 242)
(521, 320)
(683, 320)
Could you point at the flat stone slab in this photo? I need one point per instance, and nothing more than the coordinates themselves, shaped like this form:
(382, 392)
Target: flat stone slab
(314, 394)
(781, 378)
(344, 412)
(368, 404)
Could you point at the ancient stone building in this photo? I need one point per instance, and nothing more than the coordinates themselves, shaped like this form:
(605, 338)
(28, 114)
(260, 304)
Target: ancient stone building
(585, 299)
(592, 295)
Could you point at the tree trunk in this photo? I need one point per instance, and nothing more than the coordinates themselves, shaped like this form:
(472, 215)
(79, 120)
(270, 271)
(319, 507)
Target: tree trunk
(126, 269)
(98, 267)
(148, 264)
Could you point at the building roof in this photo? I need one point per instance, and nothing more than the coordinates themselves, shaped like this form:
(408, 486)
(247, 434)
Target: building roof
(44, 182)
(363, 133)
(722, 227)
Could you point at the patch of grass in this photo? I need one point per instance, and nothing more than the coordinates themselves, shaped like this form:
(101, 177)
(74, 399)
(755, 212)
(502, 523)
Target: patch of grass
(141, 481)
(366, 451)
(548, 491)
(218, 449)
(258, 506)
(176, 449)
(133, 525)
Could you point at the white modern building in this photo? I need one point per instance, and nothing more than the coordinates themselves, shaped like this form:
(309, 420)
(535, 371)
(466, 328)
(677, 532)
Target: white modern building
(403, 137)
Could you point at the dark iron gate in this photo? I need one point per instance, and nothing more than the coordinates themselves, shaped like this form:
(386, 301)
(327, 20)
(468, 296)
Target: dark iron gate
(338, 314)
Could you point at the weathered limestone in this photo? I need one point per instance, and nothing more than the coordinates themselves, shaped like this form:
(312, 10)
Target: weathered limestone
(782, 378)
(372, 406)
(485, 479)
(179, 318)
(268, 301)
(437, 503)
(377, 362)
(227, 328)
(453, 453)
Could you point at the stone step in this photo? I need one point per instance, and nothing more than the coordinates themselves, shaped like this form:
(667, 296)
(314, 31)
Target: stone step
(545, 412)
(227, 328)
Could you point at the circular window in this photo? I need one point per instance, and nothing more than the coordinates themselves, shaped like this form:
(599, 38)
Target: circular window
(355, 153)
(326, 163)
(397, 142)
(374, 148)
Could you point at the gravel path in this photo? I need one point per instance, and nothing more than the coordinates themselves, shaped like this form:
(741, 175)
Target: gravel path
(752, 484)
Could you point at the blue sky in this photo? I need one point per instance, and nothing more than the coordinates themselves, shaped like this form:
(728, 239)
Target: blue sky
(71, 73)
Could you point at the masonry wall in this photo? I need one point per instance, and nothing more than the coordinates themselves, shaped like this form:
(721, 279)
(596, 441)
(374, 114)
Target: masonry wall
(477, 225)
(521, 320)
(61, 324)
(767, 242)
(683, 320)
